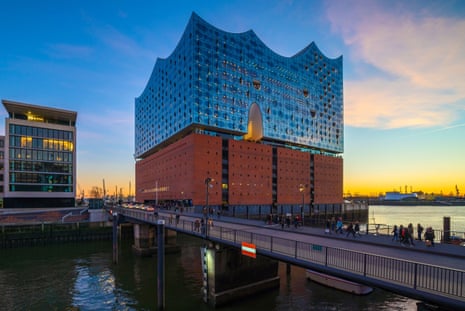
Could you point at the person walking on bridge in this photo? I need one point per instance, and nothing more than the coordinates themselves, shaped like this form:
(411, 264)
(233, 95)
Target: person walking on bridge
(350, 230)
(429, 236)
(328, 226)
(410, 234)
(419, 231)
(395, 233)
(339, 225)
(357, 229)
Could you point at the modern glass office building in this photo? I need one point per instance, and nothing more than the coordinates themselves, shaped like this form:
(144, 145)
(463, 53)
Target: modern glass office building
(40, 157)
(267, 129)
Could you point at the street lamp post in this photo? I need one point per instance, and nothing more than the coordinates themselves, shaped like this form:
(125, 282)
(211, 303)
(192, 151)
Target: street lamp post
(208, 180)
(302, 189)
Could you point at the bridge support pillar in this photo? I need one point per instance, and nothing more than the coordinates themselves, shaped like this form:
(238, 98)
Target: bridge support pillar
(229, 275)
(145, 242)
(144, 239)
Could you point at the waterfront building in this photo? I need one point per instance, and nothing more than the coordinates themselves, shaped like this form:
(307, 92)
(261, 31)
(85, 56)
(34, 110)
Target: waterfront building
(226, 122)
(2, 167)
(397, 196)
(40, 162)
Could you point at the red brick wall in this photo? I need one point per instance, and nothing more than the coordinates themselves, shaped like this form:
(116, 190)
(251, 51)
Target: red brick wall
(180, 171)
(181, 168)
(328, 172)
(250, 169)
(293, 170)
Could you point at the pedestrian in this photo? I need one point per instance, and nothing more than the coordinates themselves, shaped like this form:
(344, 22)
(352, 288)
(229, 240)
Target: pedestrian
(202, 226)
(288, 221)
(410, 234)
(339, 225)
(328, 226)
(282, 220)
(333, 224)
(395, 233)
(429, 236)
(350, 230)
(269, 219)
(419, 231)
(402, 234)
(357, 228)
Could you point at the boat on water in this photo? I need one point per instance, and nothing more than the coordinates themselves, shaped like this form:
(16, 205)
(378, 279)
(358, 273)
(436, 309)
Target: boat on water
(338, 283)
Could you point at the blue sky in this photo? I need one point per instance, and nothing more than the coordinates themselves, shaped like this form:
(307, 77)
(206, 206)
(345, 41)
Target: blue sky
(404, 81)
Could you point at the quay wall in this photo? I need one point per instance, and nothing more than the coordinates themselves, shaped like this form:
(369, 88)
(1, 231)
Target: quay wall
(37, 234)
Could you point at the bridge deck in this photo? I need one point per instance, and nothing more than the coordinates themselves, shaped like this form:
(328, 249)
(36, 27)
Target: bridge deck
(447, 255)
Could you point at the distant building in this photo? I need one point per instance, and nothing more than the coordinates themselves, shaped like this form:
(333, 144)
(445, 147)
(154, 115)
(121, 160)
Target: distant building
(40, 162)
(226, 122)
(2, 167)
(397, 196)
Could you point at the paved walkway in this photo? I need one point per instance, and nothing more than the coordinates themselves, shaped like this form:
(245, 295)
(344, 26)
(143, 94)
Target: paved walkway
(365, 240)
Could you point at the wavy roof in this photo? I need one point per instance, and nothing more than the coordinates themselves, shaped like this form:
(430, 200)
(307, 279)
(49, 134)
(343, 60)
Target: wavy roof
(196, 19)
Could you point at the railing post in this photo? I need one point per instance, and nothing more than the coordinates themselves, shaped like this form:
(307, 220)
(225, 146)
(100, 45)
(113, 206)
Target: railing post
(326, 256)
(161, 264)
(365, 264)
(115, 237)
(415, 276)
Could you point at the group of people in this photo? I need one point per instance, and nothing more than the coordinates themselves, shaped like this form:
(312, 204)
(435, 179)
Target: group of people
(405, 235)
(284, 220)
(337, 226)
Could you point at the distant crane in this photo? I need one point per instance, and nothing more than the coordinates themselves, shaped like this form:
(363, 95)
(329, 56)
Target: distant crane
(104, 190)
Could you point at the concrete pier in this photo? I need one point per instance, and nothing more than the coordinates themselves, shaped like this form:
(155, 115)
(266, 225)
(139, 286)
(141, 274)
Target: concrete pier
(145, 241)
(230, 276)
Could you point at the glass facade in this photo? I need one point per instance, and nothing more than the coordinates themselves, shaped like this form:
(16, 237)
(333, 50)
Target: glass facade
(214, 80)
(40, 159)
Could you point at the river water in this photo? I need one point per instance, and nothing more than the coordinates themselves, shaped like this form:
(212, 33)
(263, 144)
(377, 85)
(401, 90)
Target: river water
(82, 276)
(427, 216)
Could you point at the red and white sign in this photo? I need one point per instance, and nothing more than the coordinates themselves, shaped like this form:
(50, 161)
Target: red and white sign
(248, 249)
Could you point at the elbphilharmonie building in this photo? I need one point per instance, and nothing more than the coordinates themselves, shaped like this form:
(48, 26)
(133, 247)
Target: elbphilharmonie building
(226, 122)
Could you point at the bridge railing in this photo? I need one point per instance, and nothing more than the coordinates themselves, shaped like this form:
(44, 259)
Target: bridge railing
(441, 281)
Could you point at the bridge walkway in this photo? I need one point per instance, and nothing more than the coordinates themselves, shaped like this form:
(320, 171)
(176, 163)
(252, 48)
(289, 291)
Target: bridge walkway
(447, 255)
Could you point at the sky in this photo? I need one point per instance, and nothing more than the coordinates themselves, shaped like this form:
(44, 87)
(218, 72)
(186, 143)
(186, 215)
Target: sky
(404, 77)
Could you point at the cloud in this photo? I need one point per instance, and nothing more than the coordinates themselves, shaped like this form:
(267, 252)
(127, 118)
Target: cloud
(67, 51)
(382, 103)
(121, 43)
(418, 60)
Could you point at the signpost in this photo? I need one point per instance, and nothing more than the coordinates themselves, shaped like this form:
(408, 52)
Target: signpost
(249, 249)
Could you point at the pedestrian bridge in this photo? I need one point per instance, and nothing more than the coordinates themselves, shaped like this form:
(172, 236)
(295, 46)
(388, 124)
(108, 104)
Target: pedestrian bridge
(435, 276)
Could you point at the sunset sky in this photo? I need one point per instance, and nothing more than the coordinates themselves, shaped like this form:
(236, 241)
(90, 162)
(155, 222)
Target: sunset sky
(404, 76)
